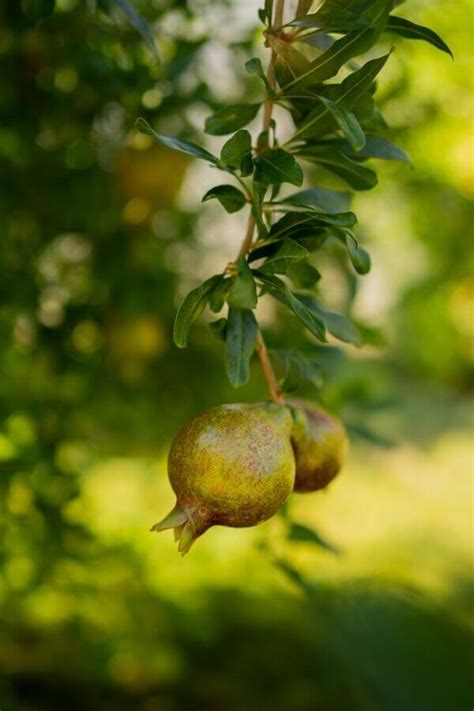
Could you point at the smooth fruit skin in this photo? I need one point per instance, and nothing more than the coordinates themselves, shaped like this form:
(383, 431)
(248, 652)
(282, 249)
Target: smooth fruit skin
(232, 465)
(319, 443)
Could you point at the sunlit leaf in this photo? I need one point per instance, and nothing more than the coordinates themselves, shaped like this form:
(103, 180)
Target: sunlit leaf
(408, 29)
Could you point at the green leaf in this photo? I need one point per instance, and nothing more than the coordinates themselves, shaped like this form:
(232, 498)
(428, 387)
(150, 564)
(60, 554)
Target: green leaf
(278, 289)
(320, 120)
(288, 253)
(268, 9)
(219, 328)
(304, 6)
(230, 197)
(377, 147)
(236, 153)
(353, 44)
(191, 308)
(177, 144)
(302, 534)
(259, 191)
(277, 166)
(357, 176)
(254, 66)
(241, 338)
(343, 24)
(139, 24)
(321, 198)
(243, 292)
(410, 30)
(290, 63)
(306, 222)
(347, 122)
(230, 118)
(339, 326)
(218, 294)
(303, 275)
(359, 257)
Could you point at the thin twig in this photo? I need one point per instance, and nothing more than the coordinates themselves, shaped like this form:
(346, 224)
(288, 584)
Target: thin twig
(272, 383)
(262, 351)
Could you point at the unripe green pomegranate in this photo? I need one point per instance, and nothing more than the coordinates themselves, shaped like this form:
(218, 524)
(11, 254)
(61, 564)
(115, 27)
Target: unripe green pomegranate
(319, 443)
(232, 465)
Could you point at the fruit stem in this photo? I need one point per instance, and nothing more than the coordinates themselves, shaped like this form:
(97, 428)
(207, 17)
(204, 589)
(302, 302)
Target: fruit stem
(268, 371)
(262, 350)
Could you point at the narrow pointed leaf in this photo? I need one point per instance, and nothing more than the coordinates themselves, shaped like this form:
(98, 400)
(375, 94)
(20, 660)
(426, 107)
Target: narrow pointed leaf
(259, 191)
(375, 147)
(345, 49)
(320, 120)
(356, 175)
(278, 289)
(177, 144)
(307, 222)
(409, 30)
(347, 122)
(139, 24)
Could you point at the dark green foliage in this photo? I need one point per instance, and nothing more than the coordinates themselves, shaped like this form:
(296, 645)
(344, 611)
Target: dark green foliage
(240, 340)
(335, 128)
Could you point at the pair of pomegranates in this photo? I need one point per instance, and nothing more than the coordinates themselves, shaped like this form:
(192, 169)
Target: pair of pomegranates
(235, 465)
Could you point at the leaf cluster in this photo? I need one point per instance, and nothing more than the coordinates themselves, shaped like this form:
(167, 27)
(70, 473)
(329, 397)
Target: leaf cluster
(327, 84)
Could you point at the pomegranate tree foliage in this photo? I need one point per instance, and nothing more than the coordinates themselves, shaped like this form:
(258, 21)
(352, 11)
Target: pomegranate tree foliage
(324, 68)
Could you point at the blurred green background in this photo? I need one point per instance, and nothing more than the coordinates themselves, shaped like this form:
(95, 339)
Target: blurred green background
(101, 235)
